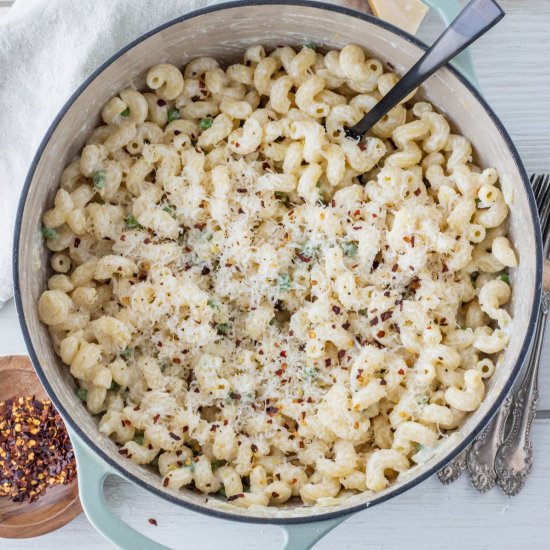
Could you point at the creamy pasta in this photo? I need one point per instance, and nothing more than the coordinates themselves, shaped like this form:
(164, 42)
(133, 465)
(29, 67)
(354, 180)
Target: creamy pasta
(261, 307)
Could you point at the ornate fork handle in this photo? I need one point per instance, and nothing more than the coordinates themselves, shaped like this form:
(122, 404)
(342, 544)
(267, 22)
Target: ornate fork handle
(482, 453)
(514, 459)
(451, 472)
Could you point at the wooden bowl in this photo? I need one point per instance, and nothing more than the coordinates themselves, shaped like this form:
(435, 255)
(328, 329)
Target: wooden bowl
(60, 503)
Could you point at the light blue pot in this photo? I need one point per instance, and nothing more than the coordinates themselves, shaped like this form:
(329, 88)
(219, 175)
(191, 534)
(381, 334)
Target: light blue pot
(223, 31)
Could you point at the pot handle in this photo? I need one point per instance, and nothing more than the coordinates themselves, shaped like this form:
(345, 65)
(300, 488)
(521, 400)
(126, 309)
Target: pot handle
(92, 472)
(303, 536)
(463, 62)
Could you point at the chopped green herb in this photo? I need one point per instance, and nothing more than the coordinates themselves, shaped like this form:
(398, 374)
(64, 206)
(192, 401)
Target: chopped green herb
(99, 178)
(349, 248)
(223, 328)
(212, 304)
(284, 282)
(205, 123)
(478, 202)
(311, 46)
(221, 492)
(318, 184)
(115, 387)
(504, 277)
(218, 464)
(138, 438)
(419, 447)
(307, 252)
(274, 322)
(49, 233)
(163, 366)
(208, 236)
(132, 223)
(173, 114)
(364, 312)
(127, 353)
(169, 208)
(126, 112)
(82, 394)
(309, 373)
(181, 239)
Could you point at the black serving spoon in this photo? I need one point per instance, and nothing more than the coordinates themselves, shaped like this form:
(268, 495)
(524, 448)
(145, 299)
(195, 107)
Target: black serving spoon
(471, 23)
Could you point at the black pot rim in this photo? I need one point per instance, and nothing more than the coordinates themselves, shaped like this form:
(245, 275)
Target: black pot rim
(204, 509)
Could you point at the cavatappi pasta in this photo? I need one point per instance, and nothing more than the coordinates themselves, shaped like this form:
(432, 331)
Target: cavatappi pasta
(261, 307)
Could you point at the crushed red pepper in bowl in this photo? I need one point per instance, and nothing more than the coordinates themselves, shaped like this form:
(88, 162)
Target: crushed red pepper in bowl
(35, 449)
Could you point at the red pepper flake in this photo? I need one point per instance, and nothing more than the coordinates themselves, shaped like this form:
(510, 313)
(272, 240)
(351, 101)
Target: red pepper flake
(380, 334)
(235, 497)
(265, 165)
(205, 270)
(274, 494)
(254, 448)
(199, 226)
(165, 482)
(123, 452)
(346, 325)
(156, 418)
(444, 269)
(401, 372)
(341, 353)
(362, 146)
(283, 353)
(412, 241)
(174, 436)
(241, 190)
(271, 410)
(386, 315)
(185, 429)
(161, 102)
(153, 521)
(147, 240)
(417, 191)
(235, 396)
(176, 360)
(303, 258)
(373, 321)
(394, 268)
(328, 362)
(336, 310)
(214, 427)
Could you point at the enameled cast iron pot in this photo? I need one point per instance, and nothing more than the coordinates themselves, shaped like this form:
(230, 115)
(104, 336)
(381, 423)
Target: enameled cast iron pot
(223, 32)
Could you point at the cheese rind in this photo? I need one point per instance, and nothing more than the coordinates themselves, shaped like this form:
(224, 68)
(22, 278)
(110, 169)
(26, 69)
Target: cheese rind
(405, 14)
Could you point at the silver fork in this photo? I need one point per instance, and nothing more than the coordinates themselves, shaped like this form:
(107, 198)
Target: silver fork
(481, 456)
(514, 459)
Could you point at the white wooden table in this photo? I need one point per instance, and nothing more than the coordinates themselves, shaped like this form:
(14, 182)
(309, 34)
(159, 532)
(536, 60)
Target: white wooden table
(514, 69)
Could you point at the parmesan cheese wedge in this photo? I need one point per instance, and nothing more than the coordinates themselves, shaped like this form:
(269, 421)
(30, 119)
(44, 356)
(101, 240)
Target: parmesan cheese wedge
(405, 14)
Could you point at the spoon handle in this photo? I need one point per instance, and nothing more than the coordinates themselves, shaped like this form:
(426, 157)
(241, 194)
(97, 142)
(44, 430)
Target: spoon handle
(472, 22)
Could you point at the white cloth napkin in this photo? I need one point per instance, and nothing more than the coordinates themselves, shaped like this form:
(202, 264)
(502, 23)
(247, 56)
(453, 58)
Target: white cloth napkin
(47, 49)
